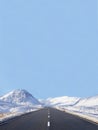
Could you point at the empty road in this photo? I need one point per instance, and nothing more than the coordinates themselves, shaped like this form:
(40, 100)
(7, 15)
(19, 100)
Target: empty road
(48, 119)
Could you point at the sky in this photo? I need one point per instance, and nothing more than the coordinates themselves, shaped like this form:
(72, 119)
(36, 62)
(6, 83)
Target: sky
(49, 47)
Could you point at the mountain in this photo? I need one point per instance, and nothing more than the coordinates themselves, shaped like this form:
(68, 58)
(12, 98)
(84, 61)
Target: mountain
(19, 97)
(84, 107)
(20, 101)
(71, 101)
(88, 102)
(22, 97)
(60, 101)
(17, 102)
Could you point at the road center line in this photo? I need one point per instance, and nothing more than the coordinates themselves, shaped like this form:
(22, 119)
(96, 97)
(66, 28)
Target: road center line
(48, 116)
(48, 124)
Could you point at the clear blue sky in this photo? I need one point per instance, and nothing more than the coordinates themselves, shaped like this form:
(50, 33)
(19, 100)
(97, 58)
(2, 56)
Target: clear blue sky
(49, 47)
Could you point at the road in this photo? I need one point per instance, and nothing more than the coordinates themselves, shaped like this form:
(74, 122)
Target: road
(48, 119)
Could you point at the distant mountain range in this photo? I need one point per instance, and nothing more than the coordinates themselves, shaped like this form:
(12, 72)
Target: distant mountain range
(21, 101)
(71, 101)
(60, 101)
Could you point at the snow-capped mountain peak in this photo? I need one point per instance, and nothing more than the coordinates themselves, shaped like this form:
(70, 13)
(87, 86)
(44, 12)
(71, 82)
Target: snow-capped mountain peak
(19, 96)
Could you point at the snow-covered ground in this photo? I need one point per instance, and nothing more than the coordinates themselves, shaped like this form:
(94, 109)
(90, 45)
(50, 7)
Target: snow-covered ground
(85, 115)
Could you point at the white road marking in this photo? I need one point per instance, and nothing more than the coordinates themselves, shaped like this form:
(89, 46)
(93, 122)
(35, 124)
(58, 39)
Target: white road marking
(48, 116)
(48, 124)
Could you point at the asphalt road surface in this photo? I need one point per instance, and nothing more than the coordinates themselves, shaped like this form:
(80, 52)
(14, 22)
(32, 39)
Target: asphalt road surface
(48, 119)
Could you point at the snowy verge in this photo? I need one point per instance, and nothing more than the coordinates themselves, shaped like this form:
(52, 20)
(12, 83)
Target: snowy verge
(90, 117)
(16, 112)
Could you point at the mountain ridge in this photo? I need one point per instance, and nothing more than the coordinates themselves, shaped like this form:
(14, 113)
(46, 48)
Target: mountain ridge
(21, 101)
(22, 96)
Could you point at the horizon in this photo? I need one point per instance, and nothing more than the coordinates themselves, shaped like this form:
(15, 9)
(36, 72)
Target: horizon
(49, 47)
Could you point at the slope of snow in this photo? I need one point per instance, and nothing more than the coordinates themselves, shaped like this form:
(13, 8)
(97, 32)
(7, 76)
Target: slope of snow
(16, 103)
(20, 97)
(60, 101)
(88, 102)
(5, 107)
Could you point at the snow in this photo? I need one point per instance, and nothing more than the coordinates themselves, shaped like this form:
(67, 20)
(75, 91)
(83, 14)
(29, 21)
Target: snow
(83, 107)
(60, 101)
(87, 102)
(16, 103)
(86, 115)
(19, 97)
